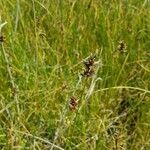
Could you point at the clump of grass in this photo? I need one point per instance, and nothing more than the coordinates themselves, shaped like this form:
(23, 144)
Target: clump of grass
(47, 100)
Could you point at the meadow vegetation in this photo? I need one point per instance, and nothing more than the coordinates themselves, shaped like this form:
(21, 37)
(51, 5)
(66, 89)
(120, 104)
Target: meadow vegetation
(75, 74)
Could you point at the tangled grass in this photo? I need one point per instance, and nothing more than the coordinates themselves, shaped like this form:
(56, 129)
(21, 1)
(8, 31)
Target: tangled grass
(74, 74)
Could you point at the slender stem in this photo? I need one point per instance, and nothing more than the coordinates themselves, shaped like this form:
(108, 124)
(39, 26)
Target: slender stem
(17, 14)
(39, 138)
(13, 85)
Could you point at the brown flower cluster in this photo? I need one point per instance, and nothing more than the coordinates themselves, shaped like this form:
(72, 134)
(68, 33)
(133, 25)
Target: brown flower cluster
(89, 70)
(122, 46)
(73, 103)
(89, 67)
(2, 38)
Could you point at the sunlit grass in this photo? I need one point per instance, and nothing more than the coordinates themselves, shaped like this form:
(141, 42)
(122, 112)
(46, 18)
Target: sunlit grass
(42, 66)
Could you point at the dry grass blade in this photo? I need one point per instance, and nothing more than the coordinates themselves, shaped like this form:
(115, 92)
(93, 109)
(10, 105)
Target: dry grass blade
(124, 87)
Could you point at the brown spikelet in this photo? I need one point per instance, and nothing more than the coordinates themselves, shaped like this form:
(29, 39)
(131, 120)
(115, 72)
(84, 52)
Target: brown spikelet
(122, 46)
(73, 103)
(89, 67)
(2, 38)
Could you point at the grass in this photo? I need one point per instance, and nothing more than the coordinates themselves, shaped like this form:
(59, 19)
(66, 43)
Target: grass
(45, 102)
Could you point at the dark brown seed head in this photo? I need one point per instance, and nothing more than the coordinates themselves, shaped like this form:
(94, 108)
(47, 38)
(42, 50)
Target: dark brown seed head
(89, 67)
(90, 62)
(88, 72)
(122, 46)
(73, 103)
(2, 38)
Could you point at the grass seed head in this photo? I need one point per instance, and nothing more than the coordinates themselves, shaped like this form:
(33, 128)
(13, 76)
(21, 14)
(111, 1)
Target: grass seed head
(73, 103)
(2, 38)
(122, 46)
(89, 67)
(90, 62)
